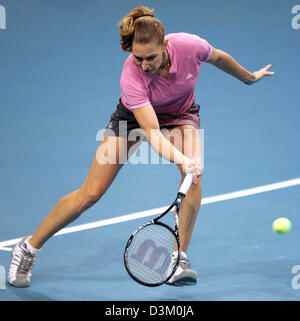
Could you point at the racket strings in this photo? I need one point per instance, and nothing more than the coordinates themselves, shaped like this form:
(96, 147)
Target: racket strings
(149, 254)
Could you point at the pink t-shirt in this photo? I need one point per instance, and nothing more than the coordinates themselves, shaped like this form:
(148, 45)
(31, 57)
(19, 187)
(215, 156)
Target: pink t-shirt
(186, 52)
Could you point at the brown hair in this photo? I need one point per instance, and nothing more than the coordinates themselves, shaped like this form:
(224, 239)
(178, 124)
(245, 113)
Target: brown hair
(140, 26)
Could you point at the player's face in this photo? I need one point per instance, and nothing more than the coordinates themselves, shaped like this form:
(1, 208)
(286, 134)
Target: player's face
(149, 57)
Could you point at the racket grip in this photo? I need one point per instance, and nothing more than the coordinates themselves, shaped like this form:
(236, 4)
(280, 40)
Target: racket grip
(186, 184)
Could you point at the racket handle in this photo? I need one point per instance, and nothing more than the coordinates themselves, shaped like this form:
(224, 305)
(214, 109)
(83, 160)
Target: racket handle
(186, 184)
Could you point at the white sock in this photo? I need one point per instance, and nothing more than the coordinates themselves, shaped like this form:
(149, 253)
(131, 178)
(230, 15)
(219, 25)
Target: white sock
(183, 254)
(30, 248)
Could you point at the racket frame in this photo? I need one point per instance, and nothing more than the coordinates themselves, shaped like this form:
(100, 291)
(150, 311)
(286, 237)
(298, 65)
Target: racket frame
(176, 204)
(179, 198)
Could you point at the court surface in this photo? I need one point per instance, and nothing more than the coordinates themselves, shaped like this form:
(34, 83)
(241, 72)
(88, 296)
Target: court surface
(60, 65)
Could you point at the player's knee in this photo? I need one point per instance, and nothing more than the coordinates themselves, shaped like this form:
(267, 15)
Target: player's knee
(87, 200)
(199, 179)
(92, 198)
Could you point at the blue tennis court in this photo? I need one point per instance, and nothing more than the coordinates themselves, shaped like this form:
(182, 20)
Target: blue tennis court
(60, 66)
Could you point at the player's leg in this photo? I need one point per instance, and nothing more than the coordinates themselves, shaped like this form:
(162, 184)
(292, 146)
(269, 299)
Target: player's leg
(187, 139)
(105, 166)
(192, 148)
(104, 169)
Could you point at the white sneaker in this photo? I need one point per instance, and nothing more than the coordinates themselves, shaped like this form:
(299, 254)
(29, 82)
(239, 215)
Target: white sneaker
(22, 263)
(184, 274)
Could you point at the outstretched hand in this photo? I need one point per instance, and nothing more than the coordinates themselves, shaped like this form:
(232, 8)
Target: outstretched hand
(263, 72)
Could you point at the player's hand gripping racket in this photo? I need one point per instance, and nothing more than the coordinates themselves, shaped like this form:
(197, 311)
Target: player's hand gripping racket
(148, 252)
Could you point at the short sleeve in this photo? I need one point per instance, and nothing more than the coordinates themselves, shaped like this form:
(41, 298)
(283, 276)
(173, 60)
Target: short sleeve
(134, 92)
(203, 49)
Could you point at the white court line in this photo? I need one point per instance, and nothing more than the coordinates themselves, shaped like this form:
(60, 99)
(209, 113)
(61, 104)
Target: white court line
(5, 249)
(134, 216)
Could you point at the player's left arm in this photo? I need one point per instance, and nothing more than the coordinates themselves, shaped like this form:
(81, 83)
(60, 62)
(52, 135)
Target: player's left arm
(225, 62)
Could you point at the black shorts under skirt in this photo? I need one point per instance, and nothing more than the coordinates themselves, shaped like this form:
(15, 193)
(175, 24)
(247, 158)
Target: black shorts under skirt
(122, 121)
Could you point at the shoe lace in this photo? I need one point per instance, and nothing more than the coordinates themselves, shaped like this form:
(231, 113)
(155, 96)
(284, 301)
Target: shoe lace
(184, 263)
(26, 261)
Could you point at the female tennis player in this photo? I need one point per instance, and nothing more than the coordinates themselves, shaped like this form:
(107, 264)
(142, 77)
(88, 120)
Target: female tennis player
(157, 84)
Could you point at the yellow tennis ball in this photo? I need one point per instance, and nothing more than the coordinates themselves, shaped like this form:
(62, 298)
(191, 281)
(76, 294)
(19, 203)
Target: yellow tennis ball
(282, 225)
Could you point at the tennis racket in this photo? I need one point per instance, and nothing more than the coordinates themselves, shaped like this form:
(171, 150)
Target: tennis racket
(148, 251)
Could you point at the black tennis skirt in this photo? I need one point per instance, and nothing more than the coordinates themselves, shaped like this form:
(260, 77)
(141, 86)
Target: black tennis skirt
(122, 121)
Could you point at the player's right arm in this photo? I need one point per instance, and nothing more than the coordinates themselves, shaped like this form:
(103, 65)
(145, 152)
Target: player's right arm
(148, 121)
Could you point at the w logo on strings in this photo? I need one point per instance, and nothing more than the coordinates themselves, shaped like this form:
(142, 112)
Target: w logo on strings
(156, 258)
